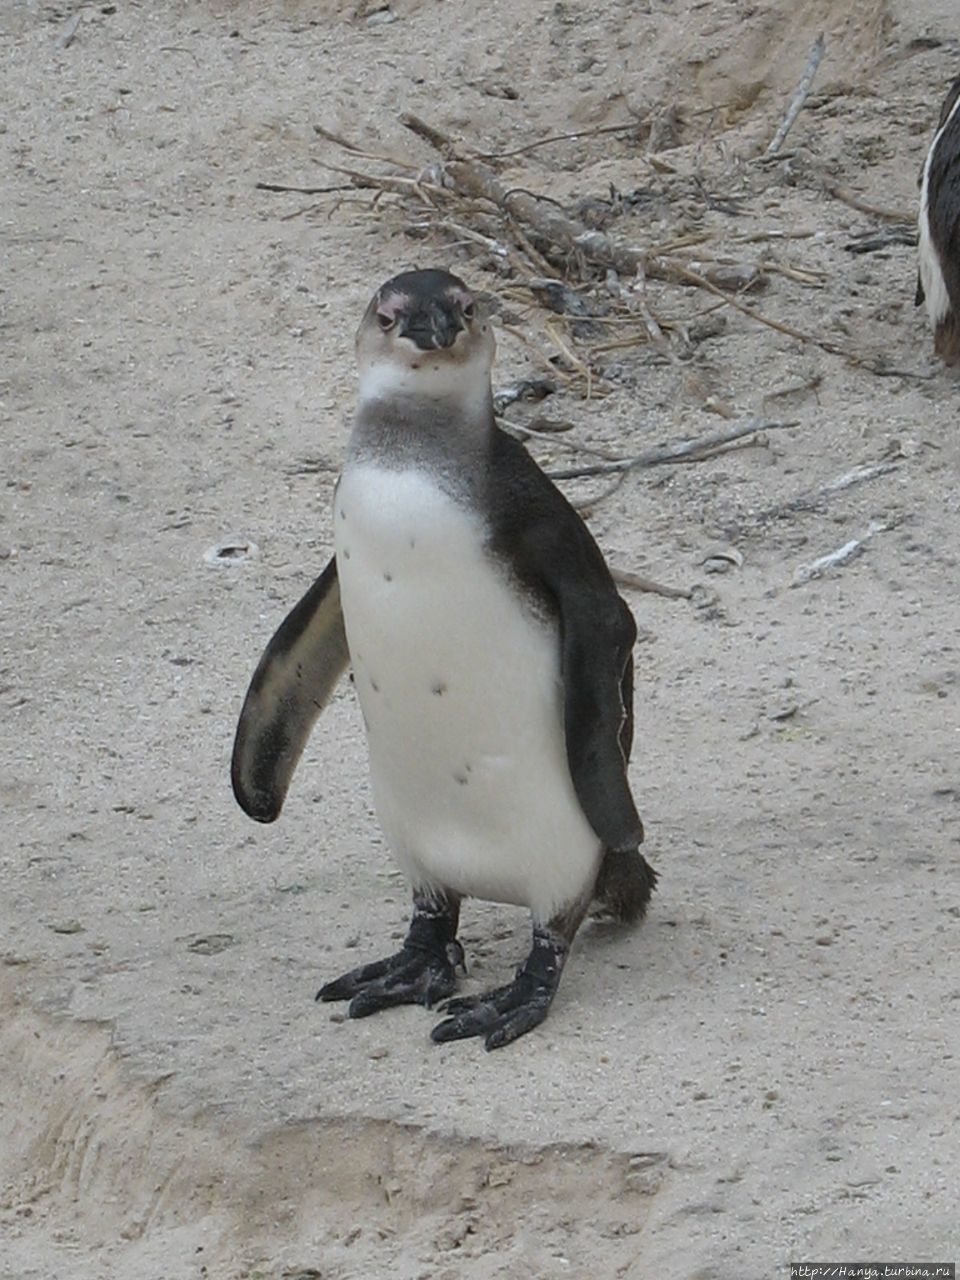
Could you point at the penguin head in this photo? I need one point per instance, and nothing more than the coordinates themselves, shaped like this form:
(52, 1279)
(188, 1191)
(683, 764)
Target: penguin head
(425, 334)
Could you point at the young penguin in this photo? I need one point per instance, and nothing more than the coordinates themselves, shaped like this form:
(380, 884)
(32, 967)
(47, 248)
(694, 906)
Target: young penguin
(939, 243)
(492, 657)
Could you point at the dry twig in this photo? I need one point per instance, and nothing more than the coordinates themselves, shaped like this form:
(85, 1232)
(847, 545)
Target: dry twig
(548, 221)
(572, 445)
(543, 216)
(560, 137)
(639, 582)
(799, 98)
(359, 152)
(586, 506)
(848, 197)
(539, 228)
(813, 499)
(69, 32)
(680, 451)
(302, 191)
(835, 559)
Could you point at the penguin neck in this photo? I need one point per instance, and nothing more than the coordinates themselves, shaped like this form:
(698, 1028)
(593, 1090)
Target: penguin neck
(449, 436)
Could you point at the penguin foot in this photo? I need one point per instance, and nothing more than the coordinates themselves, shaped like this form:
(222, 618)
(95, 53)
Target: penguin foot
(409, 977)
(423, 971)
(506, 1013)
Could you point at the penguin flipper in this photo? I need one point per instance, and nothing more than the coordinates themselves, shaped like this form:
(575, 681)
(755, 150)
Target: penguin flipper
(292, 684)
(596, 662)
(554, 554)
(597, 668)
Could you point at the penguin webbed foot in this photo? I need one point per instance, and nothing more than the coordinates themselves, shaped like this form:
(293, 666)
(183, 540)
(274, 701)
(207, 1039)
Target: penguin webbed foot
(423, 971)
(409, 977)
(506, 1013)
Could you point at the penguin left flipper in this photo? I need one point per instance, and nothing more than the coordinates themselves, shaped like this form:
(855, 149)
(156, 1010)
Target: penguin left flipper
(292, 684)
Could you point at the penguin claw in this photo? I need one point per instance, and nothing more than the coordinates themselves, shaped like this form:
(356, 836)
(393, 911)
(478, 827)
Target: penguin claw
(500, 1016)
(506, 1013)
(411, 976)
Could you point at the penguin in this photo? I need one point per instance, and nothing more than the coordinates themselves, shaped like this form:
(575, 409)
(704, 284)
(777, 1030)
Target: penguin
(939, 225)
(492, 658)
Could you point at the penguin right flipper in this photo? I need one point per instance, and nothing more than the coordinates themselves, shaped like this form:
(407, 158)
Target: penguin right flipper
(555, 555)
(597, 663)
(292, 684)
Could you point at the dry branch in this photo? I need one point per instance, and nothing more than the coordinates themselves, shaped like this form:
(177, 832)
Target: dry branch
(302, 191)
(813, 499)
(537, 228)
(543, 216)
(572, 446)
(352, 147)
(586, 506)
(873, 364)
(679, 451)
(474, 179)
(799, 97)
(639, 582)
(835, 559)
(69, 31)
(560, 137)
(848, 197)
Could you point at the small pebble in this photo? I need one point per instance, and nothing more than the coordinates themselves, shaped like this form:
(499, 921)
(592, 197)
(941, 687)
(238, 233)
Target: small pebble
(68, 926)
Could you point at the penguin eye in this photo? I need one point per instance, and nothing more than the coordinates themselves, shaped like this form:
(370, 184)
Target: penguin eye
(386, 322)
(469, 310)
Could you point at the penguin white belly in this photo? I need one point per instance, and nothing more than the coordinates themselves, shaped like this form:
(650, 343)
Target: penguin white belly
(459, 682)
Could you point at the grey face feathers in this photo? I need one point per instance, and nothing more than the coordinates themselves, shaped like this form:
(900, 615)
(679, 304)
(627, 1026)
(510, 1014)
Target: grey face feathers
(939, 241)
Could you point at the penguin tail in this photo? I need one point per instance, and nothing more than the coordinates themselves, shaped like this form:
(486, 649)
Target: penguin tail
(624, 885)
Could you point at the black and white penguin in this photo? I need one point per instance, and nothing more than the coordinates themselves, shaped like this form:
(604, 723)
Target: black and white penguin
(492, 657)
(939, 242)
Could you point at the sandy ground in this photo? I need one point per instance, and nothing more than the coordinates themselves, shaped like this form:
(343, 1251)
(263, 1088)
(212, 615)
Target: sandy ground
(768, 1069)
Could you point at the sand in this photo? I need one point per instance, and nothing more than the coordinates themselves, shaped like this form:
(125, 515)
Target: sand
(767, 1070)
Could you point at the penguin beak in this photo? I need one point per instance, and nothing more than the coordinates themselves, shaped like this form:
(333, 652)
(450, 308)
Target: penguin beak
(431, 327)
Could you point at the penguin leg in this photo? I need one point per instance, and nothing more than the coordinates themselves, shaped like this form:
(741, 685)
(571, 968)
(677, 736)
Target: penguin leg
(423, 971)
(506, 1013)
